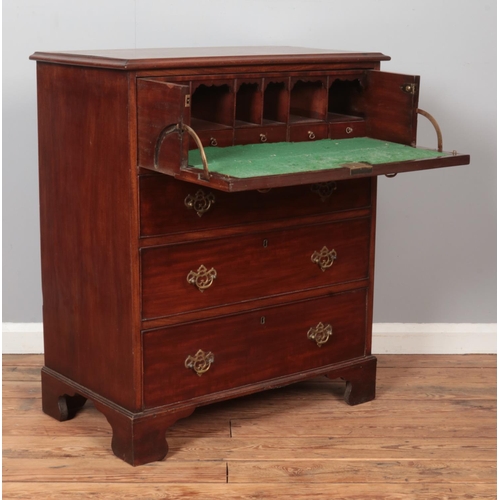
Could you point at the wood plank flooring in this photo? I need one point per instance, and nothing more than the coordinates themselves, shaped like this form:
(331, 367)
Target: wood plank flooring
(430, 434)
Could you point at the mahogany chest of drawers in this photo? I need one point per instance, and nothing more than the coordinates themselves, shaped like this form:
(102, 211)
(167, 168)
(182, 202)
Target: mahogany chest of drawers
(208, 225)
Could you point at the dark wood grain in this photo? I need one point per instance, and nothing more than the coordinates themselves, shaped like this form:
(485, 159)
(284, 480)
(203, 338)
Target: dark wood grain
(256, 265)
(347, 129)
(391, 113)
(249, 348)
(121, 244)
(161, 105)
(88, 219)
(255, 135)
(163, 208)
(166, 58)
(248, 102)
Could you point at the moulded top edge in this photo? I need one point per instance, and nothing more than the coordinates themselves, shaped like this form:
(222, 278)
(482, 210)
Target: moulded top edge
(139, 59)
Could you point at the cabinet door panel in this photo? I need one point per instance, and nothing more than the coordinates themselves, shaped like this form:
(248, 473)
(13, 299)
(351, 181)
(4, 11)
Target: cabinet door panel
(391, 107)
(161, 105)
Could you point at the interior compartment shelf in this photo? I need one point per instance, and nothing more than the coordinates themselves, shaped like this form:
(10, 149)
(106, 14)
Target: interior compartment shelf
(282, 114)
(212, 106)
(338, 117)
(248, 104)
(308, 100)
(201, 125)
(297, 119)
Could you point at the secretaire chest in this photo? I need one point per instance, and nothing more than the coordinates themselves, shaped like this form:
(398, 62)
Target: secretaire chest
(208, 225)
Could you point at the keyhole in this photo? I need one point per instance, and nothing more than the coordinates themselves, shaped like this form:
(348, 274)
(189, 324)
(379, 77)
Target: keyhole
(264, 243)
(262, 320)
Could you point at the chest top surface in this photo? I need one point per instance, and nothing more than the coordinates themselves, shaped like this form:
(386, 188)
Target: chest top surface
(163, 58)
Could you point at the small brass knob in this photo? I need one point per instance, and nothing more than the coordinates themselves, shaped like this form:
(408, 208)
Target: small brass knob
(349, 130)
(324, 258)
(311, 135)
(320, 333)
(202, 278)
(200, 363)
(213, 141)
(263, 138)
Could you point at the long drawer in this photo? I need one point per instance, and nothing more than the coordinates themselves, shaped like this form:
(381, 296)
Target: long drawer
(196, 359)
(169, 206)
(193, 276)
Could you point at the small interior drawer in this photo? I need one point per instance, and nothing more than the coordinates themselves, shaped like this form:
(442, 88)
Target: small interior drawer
(196, 359)
(219, 138)
(242, 268)
(344, 130)
(254, 135)
(308, 132)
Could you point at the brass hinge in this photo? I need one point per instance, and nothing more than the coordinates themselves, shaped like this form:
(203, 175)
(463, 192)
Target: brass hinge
(187, 101)
(410, 88)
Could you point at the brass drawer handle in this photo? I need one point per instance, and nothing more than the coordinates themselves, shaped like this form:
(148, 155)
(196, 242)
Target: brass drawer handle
(320, 333)
(324, 258)
(200, 202)
(213, 141)
(311, 135)
(200, 363)
(263, 138)
(202, 278)
(324, 189)
(349, 130)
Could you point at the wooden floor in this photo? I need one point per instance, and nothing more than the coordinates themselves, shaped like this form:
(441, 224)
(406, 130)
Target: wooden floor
(430, 434)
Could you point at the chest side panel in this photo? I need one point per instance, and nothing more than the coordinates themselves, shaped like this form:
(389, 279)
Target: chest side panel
(87, 222)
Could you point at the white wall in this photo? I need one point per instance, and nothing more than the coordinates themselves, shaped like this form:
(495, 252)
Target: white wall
(436, 235)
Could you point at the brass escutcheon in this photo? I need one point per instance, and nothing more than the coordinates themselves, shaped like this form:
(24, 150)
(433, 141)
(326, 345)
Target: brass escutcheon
(200, 363)
(320, 333)
(324, 258)
(202, 278)
(200, 202)
(324, 189)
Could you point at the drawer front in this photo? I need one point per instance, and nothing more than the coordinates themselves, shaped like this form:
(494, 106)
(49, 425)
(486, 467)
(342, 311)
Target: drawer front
(311, 132)
(205, 274)
(345, 130)
(255, 135)
(219, 138)
(169, 206)
(251, 347)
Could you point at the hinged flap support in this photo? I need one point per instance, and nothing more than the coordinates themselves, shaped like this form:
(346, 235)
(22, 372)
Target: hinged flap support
(358, 168)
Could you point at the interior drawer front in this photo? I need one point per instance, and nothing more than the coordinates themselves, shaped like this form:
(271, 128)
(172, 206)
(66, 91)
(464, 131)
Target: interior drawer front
(169, 206)
(236, 269)
(250, 347)
(255, 135)
(345, 130)
(308, 132)
(219, 138)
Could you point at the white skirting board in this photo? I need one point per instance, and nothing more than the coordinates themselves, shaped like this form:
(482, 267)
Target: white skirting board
(388, 338)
